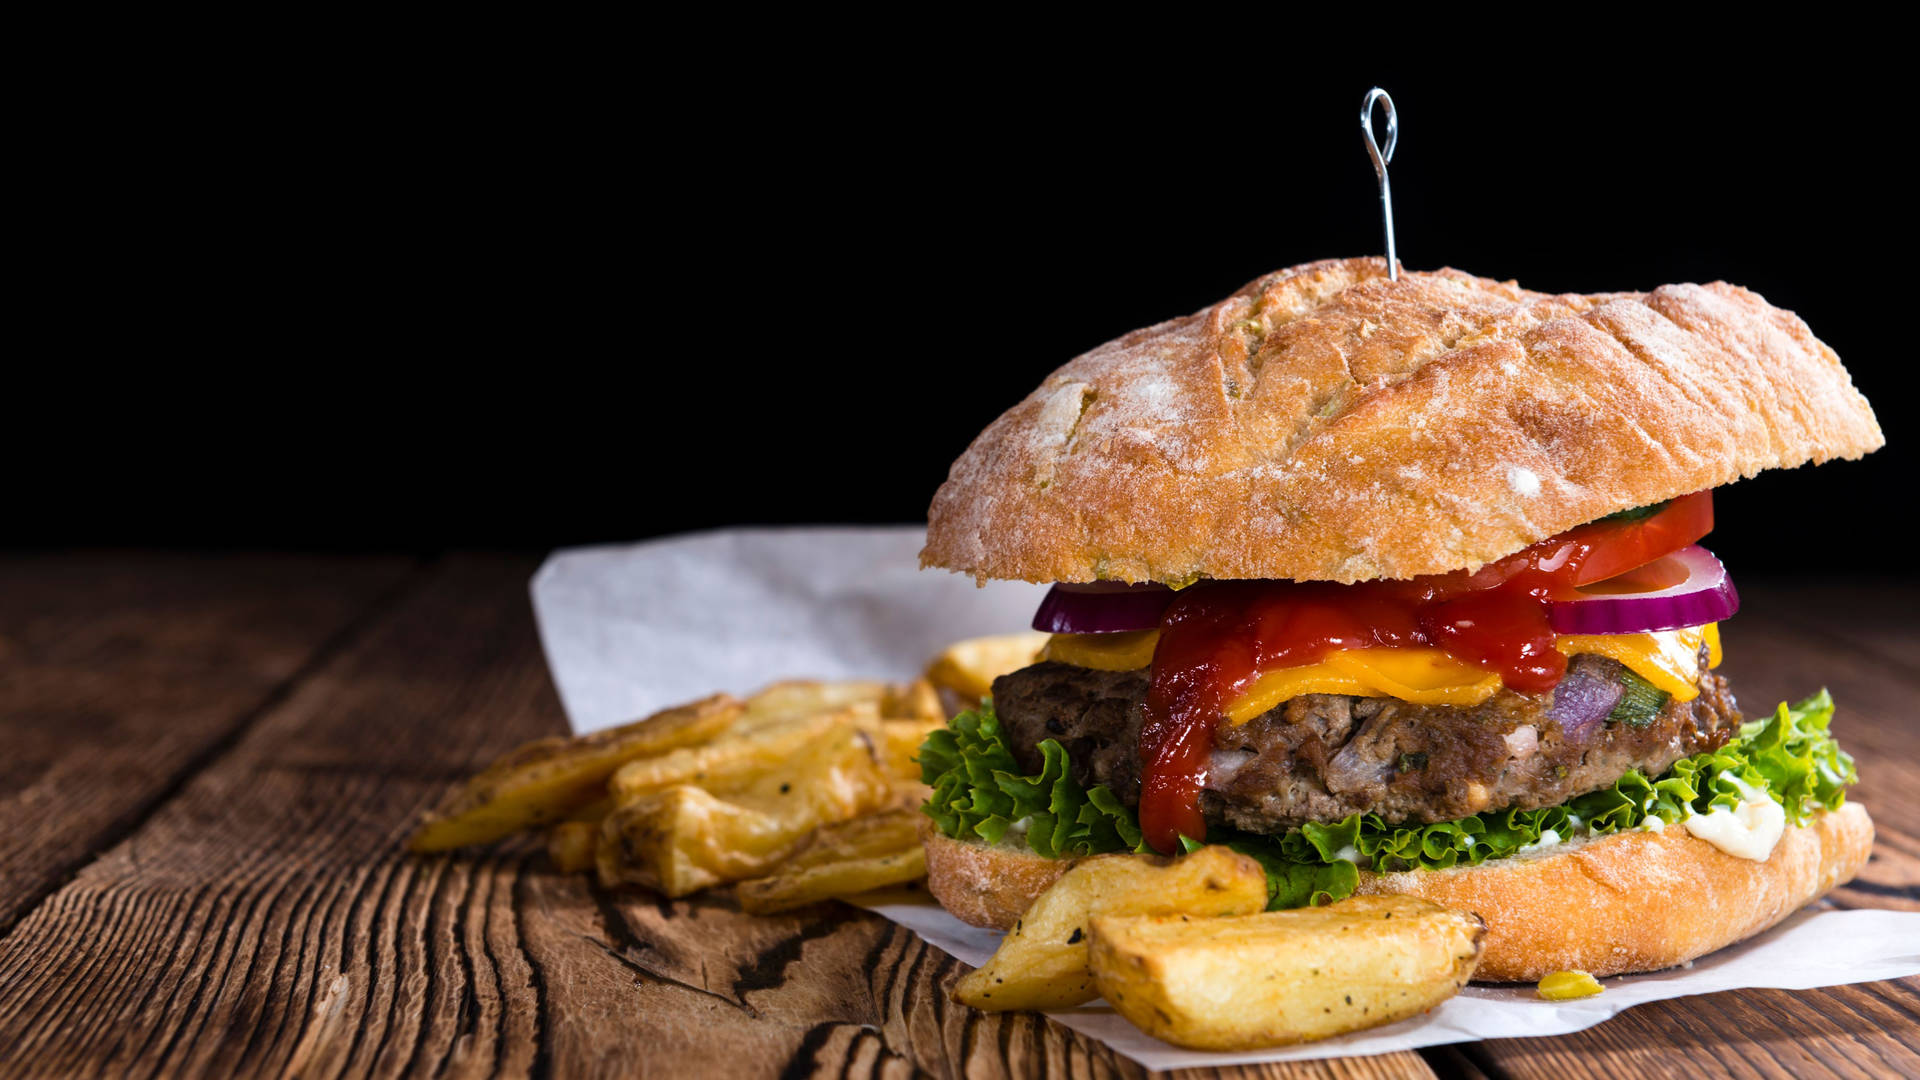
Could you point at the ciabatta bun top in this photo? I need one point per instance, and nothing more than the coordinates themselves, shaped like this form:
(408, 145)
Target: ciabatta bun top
(1326, 423)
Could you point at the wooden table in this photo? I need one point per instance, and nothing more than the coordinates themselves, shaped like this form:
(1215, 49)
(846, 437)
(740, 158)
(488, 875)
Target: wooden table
(207, 765)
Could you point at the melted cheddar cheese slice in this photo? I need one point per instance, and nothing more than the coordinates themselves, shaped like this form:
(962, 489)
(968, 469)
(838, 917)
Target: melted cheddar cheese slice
(1421, 676)
(1103, 652)
(1668, 659)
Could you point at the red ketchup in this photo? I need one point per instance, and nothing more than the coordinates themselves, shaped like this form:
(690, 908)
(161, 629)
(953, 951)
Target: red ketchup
(1218, 637)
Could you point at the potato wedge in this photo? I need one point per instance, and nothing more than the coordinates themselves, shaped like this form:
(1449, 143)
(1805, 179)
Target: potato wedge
(731, 761)
(683, 838)
(571, 844)
(547, 780)
(1043, 963)
(910, 795)
(888, 832)
(966, 669)
(786, 889)
(916, 700)
(805, 697)
(606, 862)
(848, 857)
(898, 743)
(1283, 977)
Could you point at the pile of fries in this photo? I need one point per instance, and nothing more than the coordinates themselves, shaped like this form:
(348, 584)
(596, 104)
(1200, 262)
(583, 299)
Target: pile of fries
(801, 792)
(1185, 950)
(808, 791)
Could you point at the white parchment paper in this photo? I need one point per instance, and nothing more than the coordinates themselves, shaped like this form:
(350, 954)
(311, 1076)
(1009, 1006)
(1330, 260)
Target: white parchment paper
(631, 629)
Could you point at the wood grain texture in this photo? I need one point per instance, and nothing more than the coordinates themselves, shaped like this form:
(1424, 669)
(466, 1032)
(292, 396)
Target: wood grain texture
(123, 674)
(262, 919)
(1866, 1030)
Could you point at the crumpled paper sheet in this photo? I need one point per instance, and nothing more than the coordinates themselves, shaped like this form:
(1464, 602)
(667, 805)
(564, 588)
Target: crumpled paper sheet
(632, 629)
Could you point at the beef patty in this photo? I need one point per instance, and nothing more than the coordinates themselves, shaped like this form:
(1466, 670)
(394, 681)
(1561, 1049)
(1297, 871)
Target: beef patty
(1321, 757)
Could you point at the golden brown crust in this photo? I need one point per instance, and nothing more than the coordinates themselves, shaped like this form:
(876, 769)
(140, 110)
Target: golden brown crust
(1326, 423)
(985, 885)
(1638, 901)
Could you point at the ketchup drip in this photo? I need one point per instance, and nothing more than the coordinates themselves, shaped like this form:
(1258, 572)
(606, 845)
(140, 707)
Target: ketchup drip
(1216, 638)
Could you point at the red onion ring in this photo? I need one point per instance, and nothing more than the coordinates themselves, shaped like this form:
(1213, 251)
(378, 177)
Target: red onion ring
(1580, 702)
(1705, 595)
(1102, 607)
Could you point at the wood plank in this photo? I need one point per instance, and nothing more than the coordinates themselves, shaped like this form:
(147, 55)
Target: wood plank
(123, 673)
(265, 920)
(1867, 1030)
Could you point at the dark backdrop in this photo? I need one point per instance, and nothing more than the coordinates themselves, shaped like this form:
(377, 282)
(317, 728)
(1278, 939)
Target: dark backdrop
(544, 303)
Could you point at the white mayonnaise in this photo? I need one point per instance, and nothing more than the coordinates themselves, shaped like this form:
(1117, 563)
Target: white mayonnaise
(1748, 831)
(1548, 838)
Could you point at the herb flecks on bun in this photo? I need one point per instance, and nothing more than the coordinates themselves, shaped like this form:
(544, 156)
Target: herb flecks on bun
(1397, 586)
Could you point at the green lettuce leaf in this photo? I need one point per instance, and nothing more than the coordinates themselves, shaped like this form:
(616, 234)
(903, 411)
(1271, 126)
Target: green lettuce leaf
(978, 792)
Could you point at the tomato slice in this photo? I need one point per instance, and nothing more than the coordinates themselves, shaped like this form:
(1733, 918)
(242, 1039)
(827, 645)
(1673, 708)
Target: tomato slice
(1605, 549)
(1662, 573)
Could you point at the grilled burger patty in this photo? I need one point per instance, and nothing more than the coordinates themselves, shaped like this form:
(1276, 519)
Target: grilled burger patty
(1321, 757)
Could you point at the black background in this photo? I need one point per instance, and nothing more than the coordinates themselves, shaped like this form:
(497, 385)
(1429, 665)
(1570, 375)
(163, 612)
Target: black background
(529, 299)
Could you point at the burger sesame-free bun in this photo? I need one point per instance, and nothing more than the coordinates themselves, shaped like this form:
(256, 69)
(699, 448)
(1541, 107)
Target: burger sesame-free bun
(1638, 901)
(1634, 901)
(986, 884)
(1326, 423)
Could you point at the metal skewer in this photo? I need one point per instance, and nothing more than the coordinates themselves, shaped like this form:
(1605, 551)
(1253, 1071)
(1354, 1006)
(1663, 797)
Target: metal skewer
(1380, 159)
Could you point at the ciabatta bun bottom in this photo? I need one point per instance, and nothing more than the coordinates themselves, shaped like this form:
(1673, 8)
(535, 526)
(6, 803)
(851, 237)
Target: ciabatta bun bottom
(985, 884)
(1636, 901)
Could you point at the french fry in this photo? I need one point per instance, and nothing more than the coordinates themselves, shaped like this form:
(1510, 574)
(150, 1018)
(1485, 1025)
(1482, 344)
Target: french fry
(571, 844)
(683, 838)
(966, 669)
(731, 761)
(885, 833)
(806, 697)
(1280, 977)
(722, 790)
(898, 742)
(916, 700)
(909, 795)
(606, 862)
(787, 889)
(1043, 963)
(842, 859)
(547, 780)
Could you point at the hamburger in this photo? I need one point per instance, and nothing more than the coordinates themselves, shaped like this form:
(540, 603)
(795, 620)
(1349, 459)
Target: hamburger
(1397, 586)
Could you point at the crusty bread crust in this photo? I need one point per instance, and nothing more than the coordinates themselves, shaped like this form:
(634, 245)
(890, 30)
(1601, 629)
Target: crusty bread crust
(1326, 423)
(1636, 901)
(985, 885)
